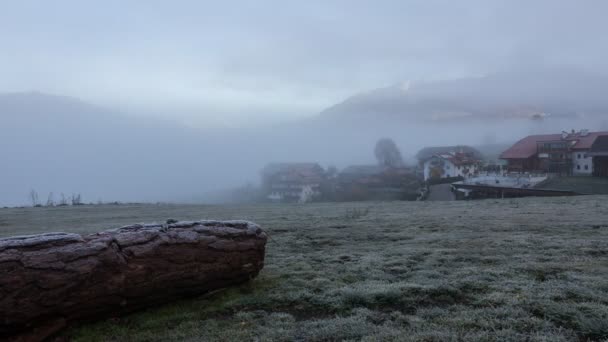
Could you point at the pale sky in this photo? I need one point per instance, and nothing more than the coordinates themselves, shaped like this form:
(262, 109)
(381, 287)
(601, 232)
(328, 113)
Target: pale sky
(256, 60)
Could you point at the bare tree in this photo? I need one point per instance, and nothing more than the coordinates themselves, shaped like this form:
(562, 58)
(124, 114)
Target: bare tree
(63, 201)
(34, 198)
(387, 153)
(50, 201)
(76, 199)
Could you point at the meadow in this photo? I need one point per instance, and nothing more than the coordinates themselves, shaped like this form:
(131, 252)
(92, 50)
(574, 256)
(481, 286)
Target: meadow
(533, 269)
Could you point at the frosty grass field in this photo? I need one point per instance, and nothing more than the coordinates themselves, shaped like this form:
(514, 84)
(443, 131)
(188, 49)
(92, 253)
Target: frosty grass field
(527, 269)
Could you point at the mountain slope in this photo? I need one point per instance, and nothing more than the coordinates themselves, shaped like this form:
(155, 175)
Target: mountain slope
(527, 94)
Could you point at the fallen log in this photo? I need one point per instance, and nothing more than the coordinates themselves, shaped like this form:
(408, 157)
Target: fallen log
(49, 280)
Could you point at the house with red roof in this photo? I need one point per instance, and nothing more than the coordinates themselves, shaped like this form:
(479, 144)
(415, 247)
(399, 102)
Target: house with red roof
(292, 182)
(567, 153)
(449, 162)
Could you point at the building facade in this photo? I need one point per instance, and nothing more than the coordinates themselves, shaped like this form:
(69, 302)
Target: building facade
(449, 162)
(599, 156)
(450, 166)
(567, 153)
(292, 182)
(582, 163)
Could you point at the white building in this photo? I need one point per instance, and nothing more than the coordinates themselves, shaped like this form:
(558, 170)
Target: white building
(292, 182)
(449, 165)
(582, 164)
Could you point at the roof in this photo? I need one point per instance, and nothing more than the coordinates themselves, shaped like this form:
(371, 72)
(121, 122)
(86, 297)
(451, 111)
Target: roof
(527, 147)
(459, 158)
(275, 168)
(375, 170)
(589, 140)
(429, 152)
(363, 170)
(374, 174)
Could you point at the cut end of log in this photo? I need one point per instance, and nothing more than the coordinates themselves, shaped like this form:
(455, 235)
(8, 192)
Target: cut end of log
(68, 277)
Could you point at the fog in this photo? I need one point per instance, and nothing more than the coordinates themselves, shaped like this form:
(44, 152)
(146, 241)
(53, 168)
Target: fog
(156, 101)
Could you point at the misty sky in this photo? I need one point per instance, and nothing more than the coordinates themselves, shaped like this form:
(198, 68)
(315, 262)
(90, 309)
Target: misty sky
(211, 61)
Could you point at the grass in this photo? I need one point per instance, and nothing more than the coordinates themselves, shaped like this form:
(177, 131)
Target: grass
(508, 270)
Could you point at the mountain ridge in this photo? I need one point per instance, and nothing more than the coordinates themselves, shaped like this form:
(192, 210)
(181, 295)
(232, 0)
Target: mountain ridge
(536, 94)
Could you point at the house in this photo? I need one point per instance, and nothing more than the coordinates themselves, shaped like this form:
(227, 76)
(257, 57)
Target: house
(449, 162)
(292, 182)
(599, 156)
(567, 153)
(428, 152)
(365, 182)
(362, 174)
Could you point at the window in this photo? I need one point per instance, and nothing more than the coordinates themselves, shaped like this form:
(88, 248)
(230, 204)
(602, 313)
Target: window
(586, 167)
(555, 146)
(578, 167)
(579, 156)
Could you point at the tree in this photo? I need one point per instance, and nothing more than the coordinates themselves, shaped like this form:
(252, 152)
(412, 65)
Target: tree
(76, 199)
(63, 201)
(388, 154)
(50, 201)
(34, 198)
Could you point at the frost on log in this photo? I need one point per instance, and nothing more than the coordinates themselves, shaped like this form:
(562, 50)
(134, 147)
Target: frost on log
(48, 280)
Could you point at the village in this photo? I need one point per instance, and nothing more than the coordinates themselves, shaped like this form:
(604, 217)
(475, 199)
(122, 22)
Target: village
(562, 164)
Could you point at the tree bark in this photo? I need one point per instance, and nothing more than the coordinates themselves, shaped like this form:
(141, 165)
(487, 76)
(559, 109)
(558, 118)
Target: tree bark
(49, 280)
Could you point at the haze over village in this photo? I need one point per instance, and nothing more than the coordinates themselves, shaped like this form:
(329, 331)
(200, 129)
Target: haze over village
(75, 142)
(151, 117)
(322, 170)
